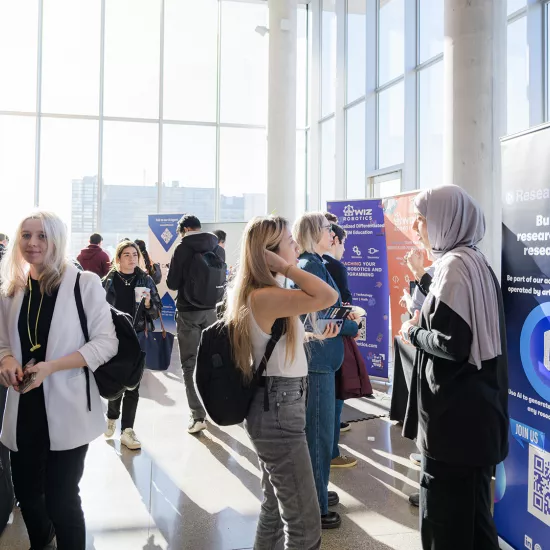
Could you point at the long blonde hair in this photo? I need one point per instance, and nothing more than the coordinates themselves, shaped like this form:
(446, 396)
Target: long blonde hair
(14, 268)
(308, 231)
(260, 234)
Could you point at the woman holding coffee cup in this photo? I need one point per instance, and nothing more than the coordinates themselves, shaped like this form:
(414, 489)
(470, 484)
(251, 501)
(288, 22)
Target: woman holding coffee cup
(130, 290)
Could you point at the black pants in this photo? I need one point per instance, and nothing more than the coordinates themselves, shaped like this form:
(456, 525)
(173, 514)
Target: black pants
(455, 507)
(46, 482)
(129, 408)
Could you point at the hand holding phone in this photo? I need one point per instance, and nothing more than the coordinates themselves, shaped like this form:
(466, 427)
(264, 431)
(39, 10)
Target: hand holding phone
(28, 377)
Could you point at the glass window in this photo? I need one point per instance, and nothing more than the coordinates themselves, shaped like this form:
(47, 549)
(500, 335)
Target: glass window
(190, 59)
(301, 171)
(244, 63)
(132, 58)
(518, 77)
(431, 29)
(18, 39)
(68, 168)
(301, 69)
(243, 174)
(328, 58)
(391, 126)
(70, 75)
(355, 152)
(130, 172)
(431, 126)
(515, 5)
(391, 61)
(328, 162)
(189, 170)
(308, 168)
(356, 49)
(386, 185)
(17, 154)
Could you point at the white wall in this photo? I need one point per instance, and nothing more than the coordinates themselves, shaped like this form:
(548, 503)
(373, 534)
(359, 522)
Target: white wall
(233, 243)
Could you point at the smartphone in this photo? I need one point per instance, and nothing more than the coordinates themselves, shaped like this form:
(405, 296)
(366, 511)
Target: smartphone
(412, 287)
(28, 378)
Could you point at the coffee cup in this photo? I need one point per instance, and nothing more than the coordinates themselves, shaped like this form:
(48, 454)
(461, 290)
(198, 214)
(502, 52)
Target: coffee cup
(141, 293)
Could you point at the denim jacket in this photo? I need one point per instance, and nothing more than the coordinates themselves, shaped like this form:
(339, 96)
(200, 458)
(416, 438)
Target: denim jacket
(326, 356)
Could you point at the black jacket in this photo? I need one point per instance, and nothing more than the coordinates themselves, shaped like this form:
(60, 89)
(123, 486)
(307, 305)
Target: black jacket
(2, 251)
(142, 315)
(181, 261)
(339, 273)
(458, 414)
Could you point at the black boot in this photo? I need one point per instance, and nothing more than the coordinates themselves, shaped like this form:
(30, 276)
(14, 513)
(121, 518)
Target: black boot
(331, 521)
(333, 498)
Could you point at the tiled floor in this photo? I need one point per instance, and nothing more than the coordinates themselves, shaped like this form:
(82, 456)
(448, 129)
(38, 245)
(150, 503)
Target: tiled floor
(184, 492)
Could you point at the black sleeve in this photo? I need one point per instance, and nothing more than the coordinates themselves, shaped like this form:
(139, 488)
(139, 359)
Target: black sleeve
(339, 273)
(156, 304)
(425, 283)
(176, 275)
(220, 252)
(449, 337)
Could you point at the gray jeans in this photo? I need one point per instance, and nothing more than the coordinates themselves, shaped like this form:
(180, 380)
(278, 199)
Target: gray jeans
(290, 517)
(190, 326)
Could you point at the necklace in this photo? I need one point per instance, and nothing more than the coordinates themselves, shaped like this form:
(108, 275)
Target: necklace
(127, 282)
(35, 345)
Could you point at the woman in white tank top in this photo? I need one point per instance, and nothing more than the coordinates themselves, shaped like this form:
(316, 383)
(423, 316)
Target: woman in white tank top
(290, 512)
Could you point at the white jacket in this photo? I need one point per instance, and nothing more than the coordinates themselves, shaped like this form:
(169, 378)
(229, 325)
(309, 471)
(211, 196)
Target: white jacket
(70, 423)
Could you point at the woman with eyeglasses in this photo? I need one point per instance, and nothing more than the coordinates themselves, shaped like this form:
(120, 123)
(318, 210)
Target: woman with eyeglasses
(314, 235)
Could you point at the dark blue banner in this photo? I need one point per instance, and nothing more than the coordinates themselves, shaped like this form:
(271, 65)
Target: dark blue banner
(366, 261)
(522, 509)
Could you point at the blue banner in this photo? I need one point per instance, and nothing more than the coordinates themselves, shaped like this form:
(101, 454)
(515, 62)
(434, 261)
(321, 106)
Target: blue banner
(522, 509)
(366, 261)
(163, 239)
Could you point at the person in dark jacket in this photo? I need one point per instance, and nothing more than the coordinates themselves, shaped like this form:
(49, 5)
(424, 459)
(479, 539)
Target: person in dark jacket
(93, 258)
(458, 404)
(191, 319)
(4, 241)
(152, 268)
(313, 233)
(339, 273)
(130, 290)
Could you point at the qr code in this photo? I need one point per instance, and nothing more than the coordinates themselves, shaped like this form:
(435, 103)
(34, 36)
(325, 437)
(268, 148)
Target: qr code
(539, 484)
(363, 329)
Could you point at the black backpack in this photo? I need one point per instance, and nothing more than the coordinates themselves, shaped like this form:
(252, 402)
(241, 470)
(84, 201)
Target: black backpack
(125, 370)
(205, 283)
(226, 396)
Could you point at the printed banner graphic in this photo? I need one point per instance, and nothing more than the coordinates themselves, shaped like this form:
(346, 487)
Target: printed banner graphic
(522, 495)
(366, 262)
(400, 238)
(163, 239)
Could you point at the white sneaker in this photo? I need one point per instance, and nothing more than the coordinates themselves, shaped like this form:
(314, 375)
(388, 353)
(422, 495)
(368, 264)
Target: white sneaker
(196, 426)
(111, 428)
(129, 439)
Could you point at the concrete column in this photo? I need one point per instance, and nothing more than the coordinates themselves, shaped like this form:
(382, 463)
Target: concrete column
(281, 124)
(475, 94)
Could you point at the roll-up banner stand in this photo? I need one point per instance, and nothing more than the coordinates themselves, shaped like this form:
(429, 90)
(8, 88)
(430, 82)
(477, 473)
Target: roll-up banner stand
(522, 490)
(163, 239)
(366, 261)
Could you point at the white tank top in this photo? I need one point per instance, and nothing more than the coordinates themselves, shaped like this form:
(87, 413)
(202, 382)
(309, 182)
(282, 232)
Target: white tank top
(277, 365)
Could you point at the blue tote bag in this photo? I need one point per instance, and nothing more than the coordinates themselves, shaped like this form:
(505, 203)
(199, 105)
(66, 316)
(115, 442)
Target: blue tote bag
(157, 347)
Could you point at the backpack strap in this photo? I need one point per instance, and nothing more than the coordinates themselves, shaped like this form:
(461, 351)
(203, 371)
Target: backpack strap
(276, 334)
(84, 326)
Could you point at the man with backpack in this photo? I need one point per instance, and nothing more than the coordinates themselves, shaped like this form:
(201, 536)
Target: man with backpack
(197, 272)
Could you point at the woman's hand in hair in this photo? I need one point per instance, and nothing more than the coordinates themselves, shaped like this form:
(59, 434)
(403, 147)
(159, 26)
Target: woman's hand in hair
(11, 372)
(275, 263)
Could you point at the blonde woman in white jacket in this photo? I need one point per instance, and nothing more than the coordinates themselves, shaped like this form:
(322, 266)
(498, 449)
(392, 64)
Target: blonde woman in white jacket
(47, 424)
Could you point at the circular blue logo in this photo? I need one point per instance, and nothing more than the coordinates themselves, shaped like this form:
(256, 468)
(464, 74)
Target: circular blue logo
(535, 349)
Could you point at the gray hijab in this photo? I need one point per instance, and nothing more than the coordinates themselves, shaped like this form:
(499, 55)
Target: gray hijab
(462, 278)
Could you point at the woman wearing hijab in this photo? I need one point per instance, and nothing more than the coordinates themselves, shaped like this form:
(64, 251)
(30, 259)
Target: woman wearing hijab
(458, 402)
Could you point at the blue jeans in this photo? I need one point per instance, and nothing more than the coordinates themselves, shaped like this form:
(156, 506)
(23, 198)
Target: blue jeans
(337, 422)
(320, 431)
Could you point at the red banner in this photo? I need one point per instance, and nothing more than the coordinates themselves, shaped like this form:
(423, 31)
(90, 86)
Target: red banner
(399, 217)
